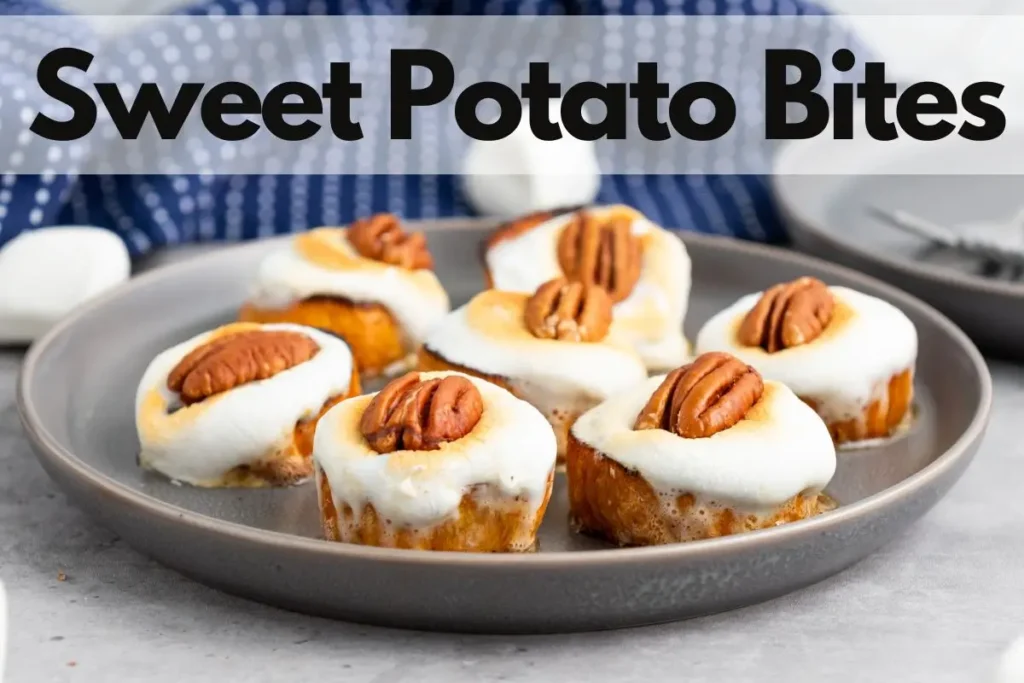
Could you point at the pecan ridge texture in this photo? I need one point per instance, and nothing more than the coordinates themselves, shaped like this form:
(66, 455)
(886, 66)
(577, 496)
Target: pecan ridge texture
(236, 359)
(698, 400)
(569, 311)
(416, 414)
(787, 315)
(604, 252)
(380, 237)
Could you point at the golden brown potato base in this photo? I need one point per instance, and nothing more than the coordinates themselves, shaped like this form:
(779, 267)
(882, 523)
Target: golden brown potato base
(478, 527)
(561, 423)
(293, 463)
(370, 330)
(881, 418)
(608, 501)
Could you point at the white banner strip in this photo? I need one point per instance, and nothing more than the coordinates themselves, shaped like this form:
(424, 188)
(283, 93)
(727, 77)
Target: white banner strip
(408, 95)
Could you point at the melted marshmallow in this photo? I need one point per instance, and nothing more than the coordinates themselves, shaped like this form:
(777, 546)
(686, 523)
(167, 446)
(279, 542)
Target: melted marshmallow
(415, 298)
(45, 274)
(488, 335)
(512, 448)
(651, 317)
(200, 443)
(781, 449)
(843, 370)
(521, 173)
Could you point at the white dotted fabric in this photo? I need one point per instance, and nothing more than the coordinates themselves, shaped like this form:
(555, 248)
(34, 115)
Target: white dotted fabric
(199, 188)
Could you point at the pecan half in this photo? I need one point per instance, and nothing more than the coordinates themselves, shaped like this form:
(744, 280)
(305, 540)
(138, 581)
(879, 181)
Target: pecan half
(788, 315)
(236, 359)
(419, 415)
(569, 311)
(381, 238)
(601, 252)
(708, 396)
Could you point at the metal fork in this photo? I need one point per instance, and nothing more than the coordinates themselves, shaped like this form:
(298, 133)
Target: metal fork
(985, 247)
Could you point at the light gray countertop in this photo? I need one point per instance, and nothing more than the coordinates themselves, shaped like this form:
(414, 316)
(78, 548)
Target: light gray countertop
(939, 604)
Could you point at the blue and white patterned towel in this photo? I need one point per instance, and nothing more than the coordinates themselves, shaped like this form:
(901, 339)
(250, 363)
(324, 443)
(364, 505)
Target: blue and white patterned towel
(151, 211)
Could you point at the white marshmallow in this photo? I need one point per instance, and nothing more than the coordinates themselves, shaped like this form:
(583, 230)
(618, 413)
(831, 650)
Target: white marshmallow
(416, 298)
(201, 443)
(650, 318)
(488, 336)
(512, 448)
(521, 173)
(562, 379)
(781, 450)
(45, 274)
(844, 370)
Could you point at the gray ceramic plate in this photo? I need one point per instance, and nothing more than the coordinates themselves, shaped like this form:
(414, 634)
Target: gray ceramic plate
(76, 394)
(826, 216)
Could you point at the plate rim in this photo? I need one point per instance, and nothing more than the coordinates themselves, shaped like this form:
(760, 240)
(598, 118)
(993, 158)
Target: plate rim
(786, 164)
(52, 454)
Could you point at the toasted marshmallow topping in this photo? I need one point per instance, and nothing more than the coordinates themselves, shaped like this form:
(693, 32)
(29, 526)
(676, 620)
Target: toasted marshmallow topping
(843, 370)
(651, 318)
(323, 263)
(779, 450)
(200, 443)
(488, 335)
(511, 448)
(560, 378)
